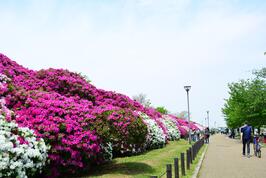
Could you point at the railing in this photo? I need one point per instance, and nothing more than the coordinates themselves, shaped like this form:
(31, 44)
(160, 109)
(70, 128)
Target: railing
(191, 154)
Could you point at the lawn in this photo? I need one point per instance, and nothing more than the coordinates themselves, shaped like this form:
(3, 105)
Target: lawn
(142, 166)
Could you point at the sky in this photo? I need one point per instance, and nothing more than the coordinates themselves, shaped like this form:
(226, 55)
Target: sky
(154, 47)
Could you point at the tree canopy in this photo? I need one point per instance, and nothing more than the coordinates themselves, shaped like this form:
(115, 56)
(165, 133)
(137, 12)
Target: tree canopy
(247, 101)
(162, 110)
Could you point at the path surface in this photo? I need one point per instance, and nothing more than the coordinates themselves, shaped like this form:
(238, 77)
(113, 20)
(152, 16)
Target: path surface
(224, 159)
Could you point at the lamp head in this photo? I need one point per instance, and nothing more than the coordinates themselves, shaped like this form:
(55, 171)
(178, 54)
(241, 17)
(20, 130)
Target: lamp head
(187, 88)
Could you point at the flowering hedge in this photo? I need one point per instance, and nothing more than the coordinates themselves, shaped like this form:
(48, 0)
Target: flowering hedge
(82, 124)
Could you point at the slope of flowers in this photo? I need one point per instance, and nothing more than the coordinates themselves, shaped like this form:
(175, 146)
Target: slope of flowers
(82, 124)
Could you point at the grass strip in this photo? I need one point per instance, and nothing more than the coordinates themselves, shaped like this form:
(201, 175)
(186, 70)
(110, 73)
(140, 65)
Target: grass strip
(145, 165)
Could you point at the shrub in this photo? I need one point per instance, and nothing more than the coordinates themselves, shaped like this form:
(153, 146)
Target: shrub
(64, 123)
(155, 137)
(173, 132)
(121, 127)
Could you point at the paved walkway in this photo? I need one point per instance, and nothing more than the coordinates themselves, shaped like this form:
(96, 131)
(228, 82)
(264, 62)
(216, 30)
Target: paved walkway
(224, 159)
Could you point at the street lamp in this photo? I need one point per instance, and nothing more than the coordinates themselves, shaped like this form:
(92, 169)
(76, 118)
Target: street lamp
(208, 119)
(187, 88)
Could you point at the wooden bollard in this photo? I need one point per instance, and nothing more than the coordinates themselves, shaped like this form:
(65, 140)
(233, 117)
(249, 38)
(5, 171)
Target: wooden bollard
(188, 160)
(176, 168)
(169, 171)
(183, 164)
(191, 155)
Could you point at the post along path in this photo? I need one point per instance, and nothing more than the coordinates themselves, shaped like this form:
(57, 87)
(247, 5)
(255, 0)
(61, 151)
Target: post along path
(224, 159)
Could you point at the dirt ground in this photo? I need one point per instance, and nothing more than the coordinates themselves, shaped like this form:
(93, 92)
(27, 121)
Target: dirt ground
(224, 159)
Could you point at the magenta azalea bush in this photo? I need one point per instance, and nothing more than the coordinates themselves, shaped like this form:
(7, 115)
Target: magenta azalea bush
(83, 125)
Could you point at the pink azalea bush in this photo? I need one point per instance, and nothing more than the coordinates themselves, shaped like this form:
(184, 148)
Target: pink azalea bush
(63, 123)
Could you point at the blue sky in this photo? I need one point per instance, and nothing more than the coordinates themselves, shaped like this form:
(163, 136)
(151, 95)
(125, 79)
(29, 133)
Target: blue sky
(143, 46)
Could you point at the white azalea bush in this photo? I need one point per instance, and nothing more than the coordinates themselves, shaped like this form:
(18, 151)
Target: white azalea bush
(173, 132)
(21, 154)
(155, 137)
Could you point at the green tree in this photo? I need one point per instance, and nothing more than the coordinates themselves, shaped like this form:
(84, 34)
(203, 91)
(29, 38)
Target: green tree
(162, 110)
(247, 101)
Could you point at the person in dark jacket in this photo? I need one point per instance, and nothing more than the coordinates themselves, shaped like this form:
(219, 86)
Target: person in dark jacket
(246, 137)
(207, 135)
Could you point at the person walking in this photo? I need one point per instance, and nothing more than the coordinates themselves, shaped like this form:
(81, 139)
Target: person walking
(207, 135)
(246, 137)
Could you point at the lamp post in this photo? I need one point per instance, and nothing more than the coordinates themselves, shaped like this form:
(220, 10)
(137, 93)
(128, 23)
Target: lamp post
(208, 119)
(187, 88)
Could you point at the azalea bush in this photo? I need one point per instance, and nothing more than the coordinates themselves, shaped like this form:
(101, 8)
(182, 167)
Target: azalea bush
(64, 123)
(155, 137)
(124, 129)
(66, 83)
(173, 132)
